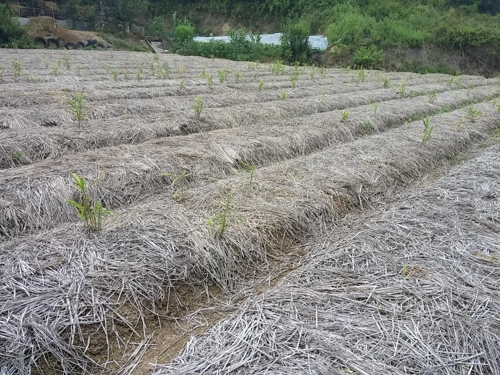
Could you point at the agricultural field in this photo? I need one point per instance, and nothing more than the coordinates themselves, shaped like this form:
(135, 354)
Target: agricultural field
(181, 215)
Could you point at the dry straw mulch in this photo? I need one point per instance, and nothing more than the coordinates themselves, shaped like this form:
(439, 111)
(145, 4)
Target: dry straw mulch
(412, 291)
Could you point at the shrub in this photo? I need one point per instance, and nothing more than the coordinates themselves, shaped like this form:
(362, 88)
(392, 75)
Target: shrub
(12, 34)
(295, 43)
(368, 57)
(183, 33)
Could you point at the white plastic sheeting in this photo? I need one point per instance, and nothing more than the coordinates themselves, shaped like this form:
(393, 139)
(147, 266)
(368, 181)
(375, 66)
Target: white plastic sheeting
(316, 41)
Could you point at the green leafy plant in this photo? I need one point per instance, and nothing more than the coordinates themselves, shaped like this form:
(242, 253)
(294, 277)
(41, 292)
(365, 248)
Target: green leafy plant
(90, 212)
(114, 74)
(344, 116)
(277, 68)
(125, 74)
(283, 95)
(76, 107)
(218, 224)
(312, 72)
(198, 107)
(402, 90)
(432, 96)
(472, 113)
(261, 85)
(385, 82)
(139, 73)
(368, 57)
(66, 61)
(322, 99)
(178, 182)
(78, 70)
(210, 81)
(32, 79)
(322, 71)
(203, 73)
(17, 65)
(367, 126)
(250, 169)
(222, 75)
(449, 81)
(361, 75)
(428, 128)
(56, 70)
(295, 43)
(293, 81)
(374, 108)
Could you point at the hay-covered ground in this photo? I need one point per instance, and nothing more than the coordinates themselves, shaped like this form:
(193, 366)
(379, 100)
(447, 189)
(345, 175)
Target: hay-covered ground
(413, 290)
(277, 164)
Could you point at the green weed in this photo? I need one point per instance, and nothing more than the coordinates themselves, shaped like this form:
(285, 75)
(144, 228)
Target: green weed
(238, 76)
(374, 108)
(210, 81)
(261, 85)
(17, 65)
(361, 75)
(344, 116)
(402, 90)
(283, 95)
(178, 182)
(222, 75)
(472, 114)
(432, 96)
(114, 74)
(385, 82)
(198, 107)
(428, 128)
(76, 107)
(250, 169)
(66, 61)
(90, 212)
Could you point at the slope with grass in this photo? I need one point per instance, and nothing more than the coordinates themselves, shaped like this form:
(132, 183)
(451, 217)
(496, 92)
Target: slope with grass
(212, 184)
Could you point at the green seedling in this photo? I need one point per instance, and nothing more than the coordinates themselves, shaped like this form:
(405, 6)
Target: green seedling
(312, 72)
(293, 81)
(361, 75)
(432, 96)
(374, 108)
(283, 95)
(322, 99)
(449, 81)
(90, 212)
(261, 85)
(428, 128)
(17, 65)
(345, 116)
(497, 104)
(222, 75)
(198, 107)
(323, 73)
(114, 74)
(203, 73)
(18, 155)
(125, 74)
(402, 89)
(46, 63)
(458, 82)
(66, 61)
(218, 224)
(385, 82)
(78, 70)
(250, 169)
(472, 114)
(238, 76)
(367, 126)
(32, 79)
(56, 70)
(139, 74)
(181, 70)
(278, 68)
(181, 83)
(210, 81)
(178, 182)
(76, 107)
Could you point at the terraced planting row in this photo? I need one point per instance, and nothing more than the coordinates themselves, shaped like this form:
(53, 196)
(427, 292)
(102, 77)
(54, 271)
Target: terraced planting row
(193, 200)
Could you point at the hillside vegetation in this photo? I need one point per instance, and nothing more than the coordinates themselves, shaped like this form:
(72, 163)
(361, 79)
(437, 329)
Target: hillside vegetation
(443, 36)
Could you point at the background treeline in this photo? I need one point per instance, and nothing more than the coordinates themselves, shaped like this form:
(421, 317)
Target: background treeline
(359, 31)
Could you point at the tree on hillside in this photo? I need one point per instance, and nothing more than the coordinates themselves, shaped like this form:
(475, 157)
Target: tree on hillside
(126, 11)
(12, 34)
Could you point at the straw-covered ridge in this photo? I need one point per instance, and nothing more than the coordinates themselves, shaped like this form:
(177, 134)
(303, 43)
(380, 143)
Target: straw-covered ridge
(219, 197)
(412, 291)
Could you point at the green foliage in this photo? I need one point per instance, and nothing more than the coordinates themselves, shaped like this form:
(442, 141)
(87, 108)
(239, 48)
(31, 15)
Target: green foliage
(90, 212)
(261, 85)
(295, 43)
(218, 224)
(178, 182)
(250, 169)
(368, 57)
(223, 75)
(124, 12)
(12, 34)
(428, 128)
(344, 116)
(198, 107)
(472, 114)
(17, 66)
(157, 27)
(76, 107)
(183, 34)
